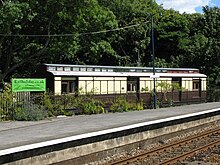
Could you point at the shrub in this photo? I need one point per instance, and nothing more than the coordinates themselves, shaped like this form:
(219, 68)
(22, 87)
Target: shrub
(136, 106)
(48, 105)
(53, 106)
(119, 105)
(216, 95)
(139, 106)
(213, 95)
(6, 103)
(68, 101)
(88, 105)
(145, 89)
(29, 112)
(92, 108)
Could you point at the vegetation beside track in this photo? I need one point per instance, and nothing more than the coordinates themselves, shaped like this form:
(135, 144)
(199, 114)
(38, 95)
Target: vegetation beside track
(35, 106)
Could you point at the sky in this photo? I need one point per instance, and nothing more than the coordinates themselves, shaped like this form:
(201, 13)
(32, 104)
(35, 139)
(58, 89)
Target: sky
(188, 6)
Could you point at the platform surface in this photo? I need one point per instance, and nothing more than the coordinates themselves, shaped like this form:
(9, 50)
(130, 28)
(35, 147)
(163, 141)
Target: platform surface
(18, 133)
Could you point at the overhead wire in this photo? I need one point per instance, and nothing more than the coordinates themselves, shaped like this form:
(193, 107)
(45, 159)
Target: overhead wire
(70, 35)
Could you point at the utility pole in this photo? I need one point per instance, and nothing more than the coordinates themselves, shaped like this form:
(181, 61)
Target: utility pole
(153, 60)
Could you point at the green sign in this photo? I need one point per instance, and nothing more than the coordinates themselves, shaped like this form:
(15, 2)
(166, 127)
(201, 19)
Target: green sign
(28, 85)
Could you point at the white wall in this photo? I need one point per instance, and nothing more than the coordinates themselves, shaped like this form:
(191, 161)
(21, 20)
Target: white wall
(103, 85)
(149, 83)
(57, 85)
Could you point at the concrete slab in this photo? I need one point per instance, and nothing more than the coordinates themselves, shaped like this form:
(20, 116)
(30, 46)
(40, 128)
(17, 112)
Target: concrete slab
(15, 134)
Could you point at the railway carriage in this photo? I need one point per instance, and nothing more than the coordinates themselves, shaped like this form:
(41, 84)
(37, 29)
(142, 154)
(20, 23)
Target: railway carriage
(134, 82)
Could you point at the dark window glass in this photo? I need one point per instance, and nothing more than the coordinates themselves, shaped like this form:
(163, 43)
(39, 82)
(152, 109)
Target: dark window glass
(196, 84)
(132, 84)
(68, 86)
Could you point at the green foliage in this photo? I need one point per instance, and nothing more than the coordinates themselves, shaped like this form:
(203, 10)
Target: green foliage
(6, 103)
(48, 105)
(119, 105)
(146, 89)
(132, 44)
(181, 40)
(202, 48)
(140, 106)
(14, 16)
(92, 107)
(56, 105)
(29, 112)
(213, 94)
(216, 95)
(12, 109)
(161, 63)
(171, 33)
(152, 100)
(88, 105)
(136, 106)
(166, 87)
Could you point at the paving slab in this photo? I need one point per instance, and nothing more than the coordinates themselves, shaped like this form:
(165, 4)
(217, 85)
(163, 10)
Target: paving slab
(18, 133)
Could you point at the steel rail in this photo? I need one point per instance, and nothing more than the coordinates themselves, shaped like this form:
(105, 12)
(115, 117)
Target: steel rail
(163, 148)
(190, 153)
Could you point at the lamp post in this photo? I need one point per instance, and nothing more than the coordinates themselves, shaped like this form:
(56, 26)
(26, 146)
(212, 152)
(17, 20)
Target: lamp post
(153, 60)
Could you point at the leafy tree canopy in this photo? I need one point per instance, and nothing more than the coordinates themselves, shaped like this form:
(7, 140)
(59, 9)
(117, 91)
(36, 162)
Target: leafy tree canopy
(103, 32)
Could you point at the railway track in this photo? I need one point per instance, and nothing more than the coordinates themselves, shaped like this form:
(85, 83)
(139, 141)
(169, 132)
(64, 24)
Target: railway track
(175, 152)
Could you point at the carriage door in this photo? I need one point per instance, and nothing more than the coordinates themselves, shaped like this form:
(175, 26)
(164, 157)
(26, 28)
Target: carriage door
(133, 86)
(176, 93)
(197, 87)
(69, 85)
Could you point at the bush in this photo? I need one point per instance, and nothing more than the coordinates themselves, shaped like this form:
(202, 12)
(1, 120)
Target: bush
(88, 105)
(216, 95)
(213, 95)
(48, 105)
(6, 103)
(29, 112)
(120, 105)
(136, 106)
(53, 106)
(140, 106)
(92, 108)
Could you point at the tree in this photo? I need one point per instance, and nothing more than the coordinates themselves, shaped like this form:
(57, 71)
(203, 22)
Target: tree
(211, 24)
(103, 32)
(29, 28)
(171, 34)
(203, 46)
(94, 47)
(133, 44)
(14, 17)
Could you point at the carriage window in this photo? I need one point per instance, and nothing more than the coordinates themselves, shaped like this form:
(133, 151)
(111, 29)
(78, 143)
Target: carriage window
(51, 68)
(59, 68)
(66, 68)
(196, 84)
(83, 69)
(131, 87)
(68, 86)
(132, 84)
(89, 69)
(176, 79)
(97, 69)
(138, 70)
(75, 69)
(110, 70)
